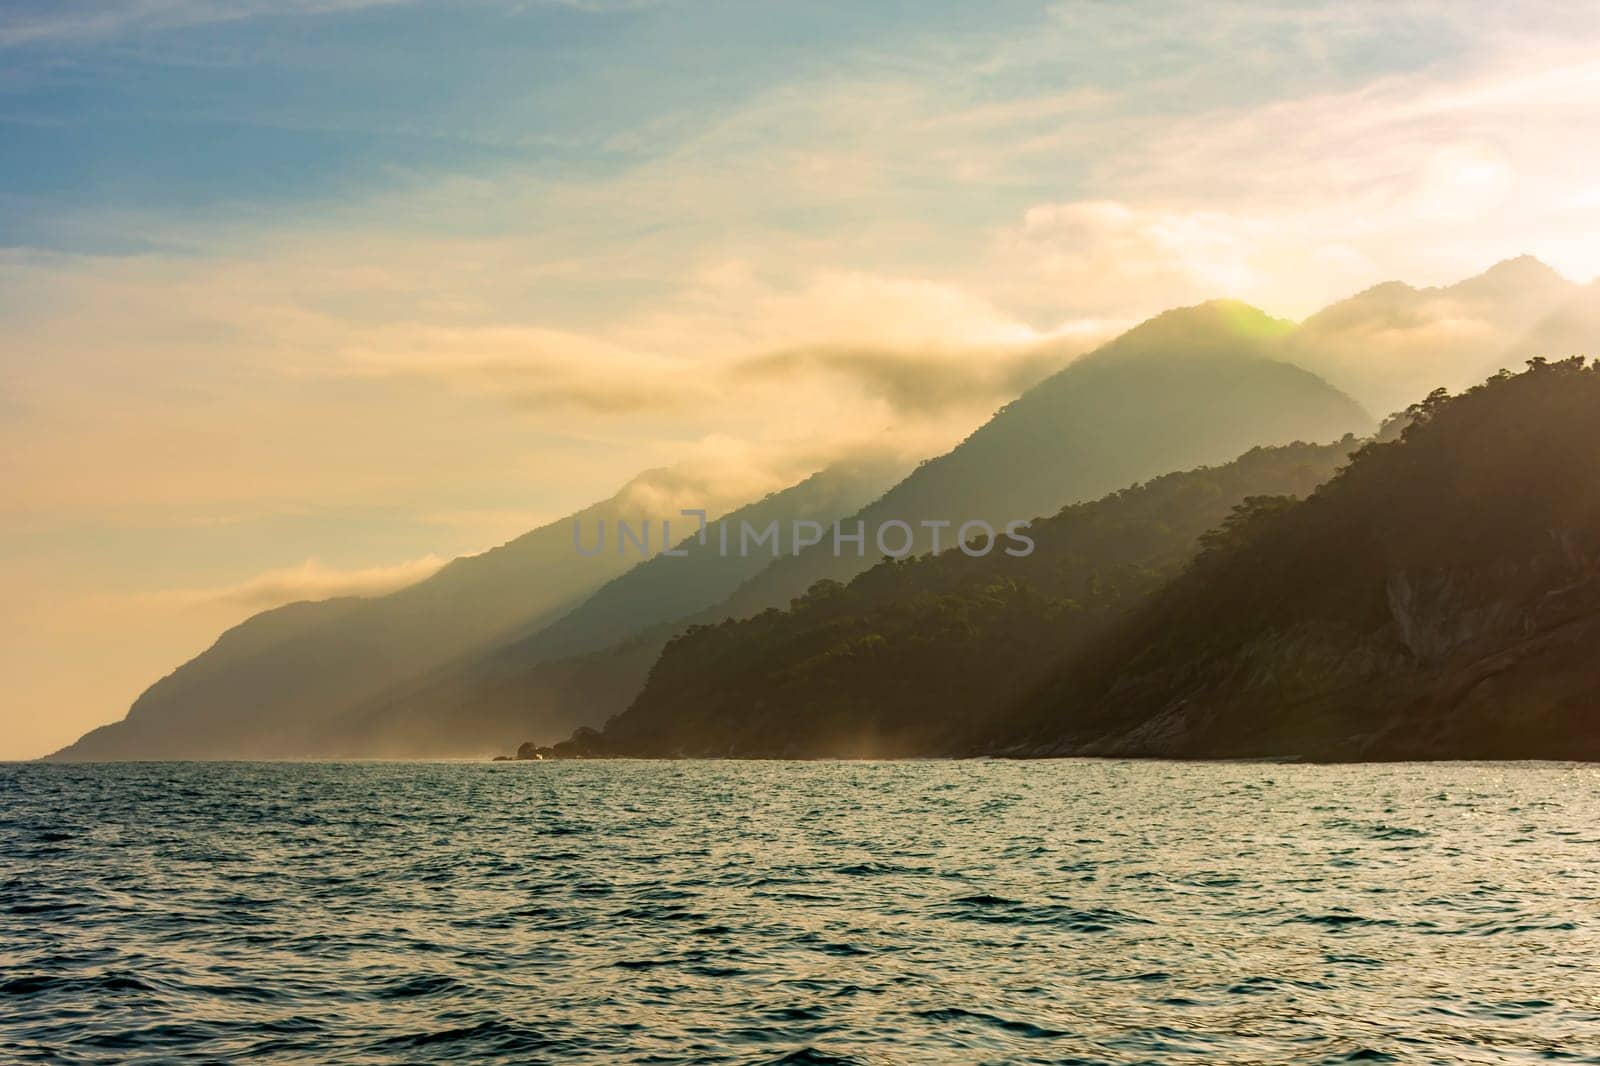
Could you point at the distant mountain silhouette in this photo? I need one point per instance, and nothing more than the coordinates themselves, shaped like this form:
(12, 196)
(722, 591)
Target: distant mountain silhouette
(269, 687)
(1571, 329)
(591, 661)
(1393, 343)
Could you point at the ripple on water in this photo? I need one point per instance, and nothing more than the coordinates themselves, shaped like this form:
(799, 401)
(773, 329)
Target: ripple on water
(1060, 912)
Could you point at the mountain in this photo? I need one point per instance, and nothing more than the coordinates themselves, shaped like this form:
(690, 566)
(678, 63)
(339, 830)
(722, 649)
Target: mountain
(1188, 387)
(1191, 387)
(918, 656)
(1440, 598)
(591, 661)
(1393, 343)
(667, 588)
(1571, 329)
(268, 687)
(454, 660)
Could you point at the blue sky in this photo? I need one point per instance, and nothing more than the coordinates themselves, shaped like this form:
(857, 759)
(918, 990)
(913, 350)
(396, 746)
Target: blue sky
(177, 110)
(210, 108)
(304, 296)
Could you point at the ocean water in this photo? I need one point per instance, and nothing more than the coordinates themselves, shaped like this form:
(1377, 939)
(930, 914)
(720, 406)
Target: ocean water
(747, 912)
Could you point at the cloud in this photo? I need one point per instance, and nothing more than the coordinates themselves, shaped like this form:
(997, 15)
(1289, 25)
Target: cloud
(1091, 254)
(918, 383)
(597, 398)
(733, 308)
(1393, 344)
(913, 346)
(11, 407)
(29, 22)
(554, 335)
(1294, 204)
(719, 472)
(920, 348)
(311, 580)
(533, 369)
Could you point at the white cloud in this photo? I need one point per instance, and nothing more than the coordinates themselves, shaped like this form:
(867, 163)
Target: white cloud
(731, 310)
(310, 580)
(1296, 203)
(1094, 255)
(68, 19)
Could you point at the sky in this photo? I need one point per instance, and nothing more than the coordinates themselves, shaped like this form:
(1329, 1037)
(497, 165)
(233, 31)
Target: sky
(304, 297)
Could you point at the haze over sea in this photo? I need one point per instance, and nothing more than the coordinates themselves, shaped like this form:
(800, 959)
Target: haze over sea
(1059, 911)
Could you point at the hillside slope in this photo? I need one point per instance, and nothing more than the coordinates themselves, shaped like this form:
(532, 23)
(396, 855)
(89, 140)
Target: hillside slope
(1439, 599)
(1190, 387)
(590, 662)
(917, 656)
(268, 687)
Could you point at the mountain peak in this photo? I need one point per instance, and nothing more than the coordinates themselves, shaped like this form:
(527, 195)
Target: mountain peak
(1522, 266)
(1521, 274)
(1210, 329)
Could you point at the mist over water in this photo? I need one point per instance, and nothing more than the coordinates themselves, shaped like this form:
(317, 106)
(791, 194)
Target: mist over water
(1061, 911)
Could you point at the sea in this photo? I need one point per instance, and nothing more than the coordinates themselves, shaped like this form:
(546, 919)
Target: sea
(1062, 911)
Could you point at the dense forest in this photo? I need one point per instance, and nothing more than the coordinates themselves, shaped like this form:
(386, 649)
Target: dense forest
(1438, 598)
(916, 656)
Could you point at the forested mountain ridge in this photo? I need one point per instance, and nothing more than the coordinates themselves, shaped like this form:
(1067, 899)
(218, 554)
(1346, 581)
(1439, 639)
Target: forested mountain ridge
(917, 656)
(1440, 598)
(493, 645)
(1191, 386)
